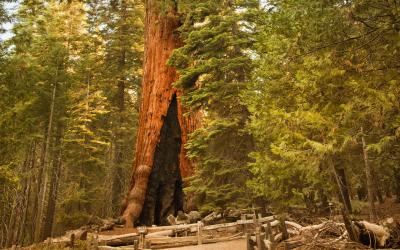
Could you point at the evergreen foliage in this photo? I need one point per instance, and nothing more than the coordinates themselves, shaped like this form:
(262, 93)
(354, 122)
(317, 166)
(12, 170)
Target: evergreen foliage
(215, 65)
(60, 120)
(323, 76)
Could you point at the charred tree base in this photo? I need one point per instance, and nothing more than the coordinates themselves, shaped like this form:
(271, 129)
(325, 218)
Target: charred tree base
(164, 194)
(160, 160)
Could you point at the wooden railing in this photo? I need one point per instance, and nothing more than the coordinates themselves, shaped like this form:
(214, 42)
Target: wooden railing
(266, 235)
(261, 233)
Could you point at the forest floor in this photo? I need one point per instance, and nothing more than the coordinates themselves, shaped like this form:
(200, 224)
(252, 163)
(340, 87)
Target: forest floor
(388, 209)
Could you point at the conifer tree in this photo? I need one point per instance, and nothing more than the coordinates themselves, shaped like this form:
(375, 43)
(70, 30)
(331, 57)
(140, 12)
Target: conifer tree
(57, 125)
(314, 92)
(123, 53)
(215, 65)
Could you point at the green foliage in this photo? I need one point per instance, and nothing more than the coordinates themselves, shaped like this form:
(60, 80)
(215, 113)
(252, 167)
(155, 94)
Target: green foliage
(70, 56)
(215, 65)
(325, 71)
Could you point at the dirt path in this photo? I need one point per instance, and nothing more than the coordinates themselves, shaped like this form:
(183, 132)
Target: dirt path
(229, 245)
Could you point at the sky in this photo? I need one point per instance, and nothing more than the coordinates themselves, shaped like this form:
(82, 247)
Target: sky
(10, 8)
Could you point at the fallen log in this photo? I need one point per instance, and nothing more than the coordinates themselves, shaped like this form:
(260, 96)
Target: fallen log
(293, 224)
(79, 234)
(278, 237)
(371, 234)
(212, 217)
(273, 223)
(118, 240)
(320, 226)
(293, 232)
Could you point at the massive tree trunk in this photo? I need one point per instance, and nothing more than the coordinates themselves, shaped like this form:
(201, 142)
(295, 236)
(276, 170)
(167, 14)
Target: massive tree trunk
(160, 160)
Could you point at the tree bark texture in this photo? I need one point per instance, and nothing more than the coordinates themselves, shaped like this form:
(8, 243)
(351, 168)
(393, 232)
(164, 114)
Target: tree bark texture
(54, 174)
(340, 178)
(161, 118)
(369, 178)
(19, 211)
(43, 173)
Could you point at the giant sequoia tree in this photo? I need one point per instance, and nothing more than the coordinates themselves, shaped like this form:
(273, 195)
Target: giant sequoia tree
(160, 164)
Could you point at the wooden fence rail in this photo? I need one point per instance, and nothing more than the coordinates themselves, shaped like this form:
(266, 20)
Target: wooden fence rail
(266, 235)
(261, 233)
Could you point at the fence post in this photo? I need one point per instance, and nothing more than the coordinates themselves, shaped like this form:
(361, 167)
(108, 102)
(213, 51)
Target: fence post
(260, 239)
(89, 242)
(271, 236)
(96, 242)
(243, 226)
(148, 244)
(248, 243)
(255, 220)
(287, 246)
(142, 236)
(284, 231)
(72, 241)
(199, 232)
(136, 245)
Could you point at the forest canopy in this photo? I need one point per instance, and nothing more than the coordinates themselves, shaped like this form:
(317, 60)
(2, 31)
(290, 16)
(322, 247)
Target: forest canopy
(299, 103)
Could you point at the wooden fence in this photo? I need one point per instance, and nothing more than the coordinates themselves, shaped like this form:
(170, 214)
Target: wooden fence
(261, 233)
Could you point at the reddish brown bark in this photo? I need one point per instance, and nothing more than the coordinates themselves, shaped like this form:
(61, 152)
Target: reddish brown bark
(188, 125)
(157, 93)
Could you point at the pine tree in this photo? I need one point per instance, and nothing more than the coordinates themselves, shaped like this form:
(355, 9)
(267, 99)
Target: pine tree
(123, 64)
(58, 119)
